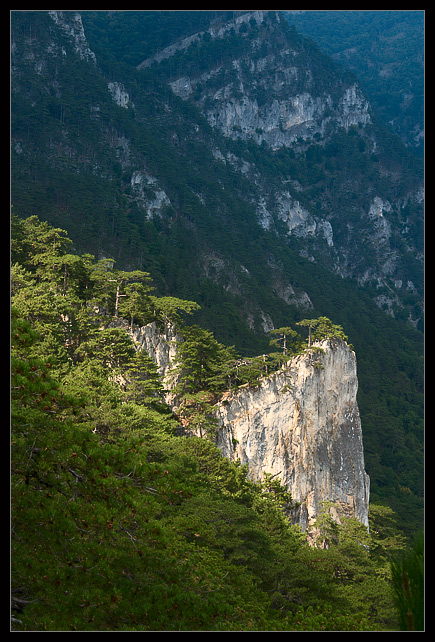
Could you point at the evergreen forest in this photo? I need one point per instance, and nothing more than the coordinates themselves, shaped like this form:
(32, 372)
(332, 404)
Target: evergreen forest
(131, 207)
(386, 50)
(121, 522)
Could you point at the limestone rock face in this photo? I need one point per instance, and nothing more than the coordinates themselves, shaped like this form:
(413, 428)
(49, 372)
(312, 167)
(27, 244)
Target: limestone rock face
(302, 423)
(161, 346)
(268, 91)
(281, 121)
(71, 23)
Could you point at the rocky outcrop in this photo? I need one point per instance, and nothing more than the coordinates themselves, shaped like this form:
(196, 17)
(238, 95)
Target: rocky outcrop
(282, 120)
(303, 425)
(160, 342)
(71, 23)
(148, 193)
(267, 94)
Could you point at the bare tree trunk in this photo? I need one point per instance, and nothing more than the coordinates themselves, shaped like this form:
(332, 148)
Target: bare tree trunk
(117, 300)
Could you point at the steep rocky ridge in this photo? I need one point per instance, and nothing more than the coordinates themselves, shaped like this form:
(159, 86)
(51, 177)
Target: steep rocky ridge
(267, 89)
(270, 87)
(310, 165)
(303, 425)
(257, 236)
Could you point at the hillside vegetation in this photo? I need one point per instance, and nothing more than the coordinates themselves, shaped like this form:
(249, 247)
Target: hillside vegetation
(119, 520)
(130, 206)
(386, 51)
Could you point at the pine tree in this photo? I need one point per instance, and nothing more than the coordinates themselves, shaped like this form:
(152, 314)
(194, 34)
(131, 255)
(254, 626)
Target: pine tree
(45, 244)
(136, 304)
(323, 329)
(112, 347)
(408, 585)
(31, 384)
(121, 279)
(289, 339)
(202, 361)
(102, 285)
(204, 367)
(170, 309)
(143, 382)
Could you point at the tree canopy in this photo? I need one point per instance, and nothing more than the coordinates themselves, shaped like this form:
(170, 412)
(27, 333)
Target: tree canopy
(323, 329)
(122, 523)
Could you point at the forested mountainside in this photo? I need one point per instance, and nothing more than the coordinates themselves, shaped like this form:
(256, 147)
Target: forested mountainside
(123, 522)
(300, 156)
(227, 156)
(386, 51)
(327, 219)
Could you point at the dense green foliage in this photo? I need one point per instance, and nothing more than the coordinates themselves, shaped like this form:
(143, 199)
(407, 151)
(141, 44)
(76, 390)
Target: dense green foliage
(121, 523)
(145, 32)
(408, 582)
(74, 154)
(386, 50)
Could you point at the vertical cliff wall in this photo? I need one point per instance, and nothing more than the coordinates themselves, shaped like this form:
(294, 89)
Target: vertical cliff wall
(302, 424)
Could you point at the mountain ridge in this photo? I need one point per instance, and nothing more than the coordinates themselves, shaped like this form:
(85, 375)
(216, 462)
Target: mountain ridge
(386, 51)
(281, 198)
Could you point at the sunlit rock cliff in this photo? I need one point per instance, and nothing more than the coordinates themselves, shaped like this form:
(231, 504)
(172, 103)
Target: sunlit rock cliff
(303, 425)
